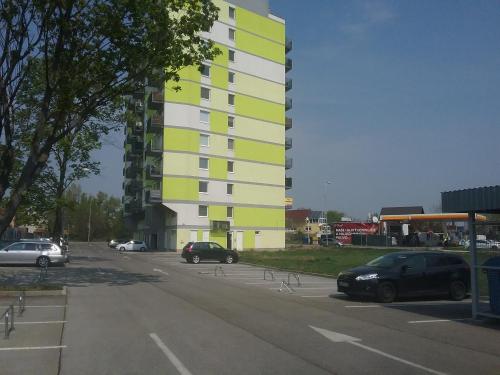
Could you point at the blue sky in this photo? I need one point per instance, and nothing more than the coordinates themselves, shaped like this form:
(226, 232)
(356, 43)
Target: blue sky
(393, 102)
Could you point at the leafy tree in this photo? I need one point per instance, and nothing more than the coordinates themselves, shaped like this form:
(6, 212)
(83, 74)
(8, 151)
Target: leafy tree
(90, 54)
(333, 216)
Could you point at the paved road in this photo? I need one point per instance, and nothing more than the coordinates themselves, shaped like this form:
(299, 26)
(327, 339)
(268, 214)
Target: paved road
(153, 313)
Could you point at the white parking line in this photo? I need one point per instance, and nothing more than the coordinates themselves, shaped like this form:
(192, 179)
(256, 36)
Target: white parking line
(39, 306)
(171, 356)
(436, 320)
(34, 347)
(47, 322)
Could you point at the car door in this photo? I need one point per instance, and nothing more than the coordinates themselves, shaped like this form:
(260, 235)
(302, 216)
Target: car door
(412, 280)
(437, 273)
(203, 250)
(30, 253)
(217, 251)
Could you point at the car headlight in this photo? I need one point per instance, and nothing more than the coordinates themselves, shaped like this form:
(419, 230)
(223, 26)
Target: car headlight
(369, 276)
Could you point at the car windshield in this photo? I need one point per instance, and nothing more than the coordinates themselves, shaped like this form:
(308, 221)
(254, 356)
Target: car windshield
(388, 261)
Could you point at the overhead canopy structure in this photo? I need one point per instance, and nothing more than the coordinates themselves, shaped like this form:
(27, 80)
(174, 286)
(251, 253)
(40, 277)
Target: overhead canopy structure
(472, 201)
(431, 217)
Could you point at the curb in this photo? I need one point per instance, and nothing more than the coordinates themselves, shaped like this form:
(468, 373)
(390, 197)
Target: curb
(34, 293)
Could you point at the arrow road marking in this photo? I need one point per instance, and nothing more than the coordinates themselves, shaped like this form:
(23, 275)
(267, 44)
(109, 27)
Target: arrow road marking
(160, 271)
(340, 337)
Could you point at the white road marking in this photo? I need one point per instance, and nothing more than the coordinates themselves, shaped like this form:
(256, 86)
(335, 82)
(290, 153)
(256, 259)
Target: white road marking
(171, 356)
(37, 306)
(362, 306)
(341, 338)
(160, 271)
(436, 320)
(34, 347)
(47, 322)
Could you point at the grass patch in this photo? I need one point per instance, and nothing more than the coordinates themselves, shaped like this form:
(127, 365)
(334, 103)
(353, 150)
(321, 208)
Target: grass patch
(30, 287)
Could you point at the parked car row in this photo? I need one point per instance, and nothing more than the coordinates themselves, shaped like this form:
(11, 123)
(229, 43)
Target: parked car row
(484, 244)
(41, 252)
(128, 245)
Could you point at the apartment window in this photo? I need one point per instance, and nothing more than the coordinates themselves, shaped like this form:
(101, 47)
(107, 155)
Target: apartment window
(230, 144)
(203, 186)
(204, 140)
(230, 212)
(203, 163)
(231, 55)
(230, 166)
(203, 211)
(230, 122)
(205, 93)
(232, 33)
(230, 99)
(205, 70)
(205, 116)
(232, 12)
(230, 77)
(229, 189)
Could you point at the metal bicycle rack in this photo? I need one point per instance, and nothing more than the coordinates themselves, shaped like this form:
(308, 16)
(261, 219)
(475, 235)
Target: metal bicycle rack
(271, 272)
(219, 269)
(8, 316)
(287, 286)
(43, 273)
(22, 302)
(296, 276)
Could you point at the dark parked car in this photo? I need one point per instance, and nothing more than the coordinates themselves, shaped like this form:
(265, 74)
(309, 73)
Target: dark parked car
(198, 251)
(408, 274)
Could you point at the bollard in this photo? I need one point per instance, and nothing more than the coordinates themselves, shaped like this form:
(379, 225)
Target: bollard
(6, 335)
(22, 303)
(11, 316)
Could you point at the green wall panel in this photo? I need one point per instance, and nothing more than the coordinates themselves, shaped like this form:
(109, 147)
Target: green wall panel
(217, 168)
(218, 237)
(259, 217)
(260, 47)
(260, 109)
(260, 25)
(218, 77)
(258, 151)
(217, 213)
(191, 73)
(249, 239)
(176, 188)
(188, 94)
(181, 140)
(222, 58)
(218, 122)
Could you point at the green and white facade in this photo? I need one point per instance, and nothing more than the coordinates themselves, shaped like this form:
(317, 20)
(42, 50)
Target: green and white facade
(208, 162)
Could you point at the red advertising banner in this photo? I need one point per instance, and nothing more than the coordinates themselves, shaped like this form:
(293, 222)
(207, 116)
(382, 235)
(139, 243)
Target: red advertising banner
(343, 231)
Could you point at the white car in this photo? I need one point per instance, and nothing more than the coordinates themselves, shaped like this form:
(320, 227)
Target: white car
(485, 244)
(132, 246)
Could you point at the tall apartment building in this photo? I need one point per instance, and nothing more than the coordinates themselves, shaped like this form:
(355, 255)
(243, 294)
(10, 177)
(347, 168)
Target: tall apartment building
(208, 162)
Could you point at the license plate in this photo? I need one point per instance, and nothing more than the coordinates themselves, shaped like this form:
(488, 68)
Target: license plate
(343, 283)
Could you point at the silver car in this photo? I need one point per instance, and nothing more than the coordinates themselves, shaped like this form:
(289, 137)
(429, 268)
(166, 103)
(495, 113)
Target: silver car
(132, 246)
(41, 253)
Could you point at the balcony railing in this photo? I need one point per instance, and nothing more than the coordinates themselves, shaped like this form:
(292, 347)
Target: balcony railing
(156, 100)
(288, 183)
(288, 123)
(288, 45)
(288, 64)
(288, 84)
(155, 123)
(137, 147)
(288, 104)
(133, 187)
(288, 163)
(134, 169)
(153, 196)
(133, 206)
(288, 143)
(153, 172)
(154, 147)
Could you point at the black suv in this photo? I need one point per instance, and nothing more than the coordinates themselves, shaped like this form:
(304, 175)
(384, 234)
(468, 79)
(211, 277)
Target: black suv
(197, 251)
(408, 274)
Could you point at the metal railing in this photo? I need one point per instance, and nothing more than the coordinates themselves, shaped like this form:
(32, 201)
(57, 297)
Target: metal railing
(21, 299)
(8, 316)
(271, 272)
(297, 278)
(219, 269)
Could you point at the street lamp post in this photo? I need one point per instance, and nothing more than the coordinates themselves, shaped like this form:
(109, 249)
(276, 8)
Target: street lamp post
(90, 217)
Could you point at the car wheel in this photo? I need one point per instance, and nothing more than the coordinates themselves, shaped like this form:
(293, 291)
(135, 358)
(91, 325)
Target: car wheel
(195, 259)
(229, 259)
(458, 290)
(122, 249)
(142, 249)
(43, 262)
(386, 292)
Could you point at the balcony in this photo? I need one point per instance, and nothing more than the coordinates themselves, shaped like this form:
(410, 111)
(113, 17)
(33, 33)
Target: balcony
(137, 148)
(153, 196)
(133, 187)
(288, 104)
(154, 147)
(288, 183)
(133, 170)
(288, 64)
(288, 123)
(156, 100)
(134, 206)
(138, 128)
(288, 84)
(153, 172)
(288, 143)
(288, 45)
(288, 163)
(155, 123)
